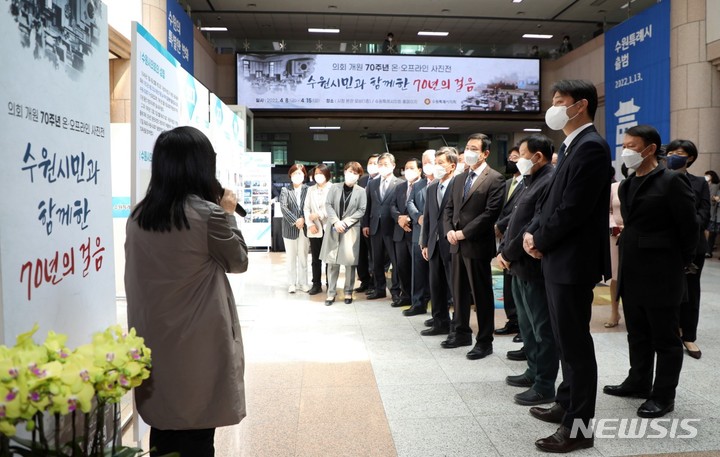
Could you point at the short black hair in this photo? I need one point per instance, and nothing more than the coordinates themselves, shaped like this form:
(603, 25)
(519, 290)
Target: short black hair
(649, 135)
(418, 162)
(481, 136)
(324, 169)
(578, 89)
(539, 143)
(687, 146)
(714, 178)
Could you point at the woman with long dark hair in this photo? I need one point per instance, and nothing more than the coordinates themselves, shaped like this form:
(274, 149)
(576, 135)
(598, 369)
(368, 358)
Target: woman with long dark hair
(182, 239)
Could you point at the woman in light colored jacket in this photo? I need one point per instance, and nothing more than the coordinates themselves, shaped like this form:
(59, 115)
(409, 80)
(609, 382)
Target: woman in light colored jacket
(345, 205)
(294, 229)
(316, 217)
(180, 244)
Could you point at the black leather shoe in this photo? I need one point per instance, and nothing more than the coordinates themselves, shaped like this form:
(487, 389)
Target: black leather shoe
(429, 322)
(560, 442)
(363, 287)
(517, 338)
(415, 310)
(553, 414)
(480, 351)
(399, 302)
(329, 301)
(655, 408)
(517, 355)
(509, 329)
(375, 295)
(519, 380)
(369, 291)
(348, 300)
(454, 342)
(432, 331)
(531, 398)
(622, 390)
(315, 289)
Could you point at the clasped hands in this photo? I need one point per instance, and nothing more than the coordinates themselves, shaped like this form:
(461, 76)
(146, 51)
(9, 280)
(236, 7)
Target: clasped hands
(405, 222)
(455, 236)
(529, 246)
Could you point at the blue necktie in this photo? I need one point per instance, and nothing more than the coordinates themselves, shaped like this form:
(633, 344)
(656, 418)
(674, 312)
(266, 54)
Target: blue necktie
(468, 184)
(561, 154)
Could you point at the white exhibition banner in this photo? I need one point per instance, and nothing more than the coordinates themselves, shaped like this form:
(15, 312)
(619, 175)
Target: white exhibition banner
(164, 96)
(387, 82)
(227, 134)
(256, 180)
(56, 240)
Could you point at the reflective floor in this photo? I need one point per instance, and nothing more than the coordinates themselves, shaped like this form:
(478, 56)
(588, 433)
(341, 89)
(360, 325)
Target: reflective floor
(359, 380)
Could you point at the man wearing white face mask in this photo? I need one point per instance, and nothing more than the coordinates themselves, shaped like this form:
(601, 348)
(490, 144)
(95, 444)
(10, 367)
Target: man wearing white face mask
(570, 234)
(365, 261)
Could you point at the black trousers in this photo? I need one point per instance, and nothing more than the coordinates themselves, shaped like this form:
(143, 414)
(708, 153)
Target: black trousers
(654, 330)
(404, 261)
(440, 266)
(570, 307)
(363, 266)
(188, 443)
(690, 309)
(382, 247)
(315, 245)
(508, 299)
(472, 283)
(420, 278)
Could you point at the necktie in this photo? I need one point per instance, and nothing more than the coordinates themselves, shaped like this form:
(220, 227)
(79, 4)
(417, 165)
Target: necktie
(468, 184)
(440, 194)
(383, 189)
(409, 191)
(513, 185)
(561, 154)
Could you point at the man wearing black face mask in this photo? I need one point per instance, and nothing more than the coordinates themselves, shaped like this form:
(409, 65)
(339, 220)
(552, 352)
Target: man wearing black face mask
(513, 188)
(681, 154)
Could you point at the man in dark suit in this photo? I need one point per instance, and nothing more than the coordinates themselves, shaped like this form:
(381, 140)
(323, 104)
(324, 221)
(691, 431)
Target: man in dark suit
(681, 154)
(363, 267)
(513, 188)
(470, 216)
(528, 284)
(434, 244)
(379, 226)
(403, 233)
(570, 233)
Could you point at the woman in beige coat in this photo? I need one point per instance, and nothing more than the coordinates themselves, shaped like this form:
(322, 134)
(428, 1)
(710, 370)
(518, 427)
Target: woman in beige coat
(180, 245)
(345, 207)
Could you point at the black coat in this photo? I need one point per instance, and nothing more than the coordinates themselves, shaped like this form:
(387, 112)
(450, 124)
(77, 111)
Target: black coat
(433, 230)
(701, 189)
(377, 214)
(509, 204)
(570, 228)
(658, 239)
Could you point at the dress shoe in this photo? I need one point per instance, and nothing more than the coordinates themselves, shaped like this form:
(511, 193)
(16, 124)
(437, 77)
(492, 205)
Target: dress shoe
(553, 414)
(454, 342)
(432, 331)
(291, 289)
(370, 291)
(517, 355)
(315, 289)
(429, 322)
(622, 390)
(531, 398)
(692, 349)
(519, 380)
(363, 287)
(509, 329)
(655, 408)
(348, 300)
(375, 295)
(399, 302)
(560, 442)
(480, 351)
(517, 338)
(329, 301)
(415, 310)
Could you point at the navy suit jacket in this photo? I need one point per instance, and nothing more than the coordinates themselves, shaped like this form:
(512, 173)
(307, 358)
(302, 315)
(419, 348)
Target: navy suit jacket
(377, 214)
(416, 207)
(570, 228)
(433, 229)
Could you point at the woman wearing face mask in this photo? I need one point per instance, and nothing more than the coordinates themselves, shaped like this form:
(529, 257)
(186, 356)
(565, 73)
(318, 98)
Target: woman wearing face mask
(292, 202)
(714, 225)
(316, 217)
(681, 154)
(345, 207)
(657, 246)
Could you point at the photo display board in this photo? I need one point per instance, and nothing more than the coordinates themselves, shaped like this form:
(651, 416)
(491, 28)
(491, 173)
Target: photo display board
(387, 82)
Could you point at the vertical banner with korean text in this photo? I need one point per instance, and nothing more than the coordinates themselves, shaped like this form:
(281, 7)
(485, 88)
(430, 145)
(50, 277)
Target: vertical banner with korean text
(637, 74)
(180, 37)
(56, 245)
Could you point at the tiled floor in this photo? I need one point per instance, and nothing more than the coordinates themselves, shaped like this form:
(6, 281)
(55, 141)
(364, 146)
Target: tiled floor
(359, 380)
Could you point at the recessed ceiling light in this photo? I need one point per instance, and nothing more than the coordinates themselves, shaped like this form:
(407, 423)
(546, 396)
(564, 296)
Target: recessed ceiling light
(320, 30)
(532, 130)
(427, 33)
(213, 29)
(320, 127)
(537, 35)
(517, 1)
(433, 128)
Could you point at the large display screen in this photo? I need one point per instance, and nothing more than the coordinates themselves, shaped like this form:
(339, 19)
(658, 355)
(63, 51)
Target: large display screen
(387, 82)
